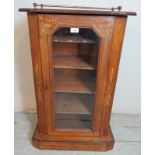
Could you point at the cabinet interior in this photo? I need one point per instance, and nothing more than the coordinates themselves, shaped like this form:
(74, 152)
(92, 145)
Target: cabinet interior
(74, 57)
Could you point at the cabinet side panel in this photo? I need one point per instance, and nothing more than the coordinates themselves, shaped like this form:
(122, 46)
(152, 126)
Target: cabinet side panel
(37, 71)
(113, 65)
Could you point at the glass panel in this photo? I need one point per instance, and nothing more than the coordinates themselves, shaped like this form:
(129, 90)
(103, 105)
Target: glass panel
(75, 52)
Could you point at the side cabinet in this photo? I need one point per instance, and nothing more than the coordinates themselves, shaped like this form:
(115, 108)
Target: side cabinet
(75, 59)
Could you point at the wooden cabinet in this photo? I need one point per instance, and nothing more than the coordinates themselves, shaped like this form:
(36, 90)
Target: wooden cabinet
(75, 57)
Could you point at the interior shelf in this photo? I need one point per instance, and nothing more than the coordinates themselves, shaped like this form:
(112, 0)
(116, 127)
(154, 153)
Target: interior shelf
(73, 62)
(72, 38)
(75, 84)
(73, 103)
(73, 121)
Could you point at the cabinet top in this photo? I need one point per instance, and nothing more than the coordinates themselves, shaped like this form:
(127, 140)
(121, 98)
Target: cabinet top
(77, 11)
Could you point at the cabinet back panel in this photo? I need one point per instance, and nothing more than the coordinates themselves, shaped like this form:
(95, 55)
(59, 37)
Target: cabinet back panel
(74, 49)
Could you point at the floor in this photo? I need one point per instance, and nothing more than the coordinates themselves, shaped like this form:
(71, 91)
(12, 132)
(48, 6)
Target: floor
(126, 130)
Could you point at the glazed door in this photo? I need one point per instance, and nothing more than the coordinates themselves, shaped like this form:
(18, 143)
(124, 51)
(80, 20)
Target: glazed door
(74, 54)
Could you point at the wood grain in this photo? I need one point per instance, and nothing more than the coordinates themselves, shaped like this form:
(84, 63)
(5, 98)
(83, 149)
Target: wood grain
(73, 103)
(71, 62)
(113, 65)
(72, 39)
(37, 71)
(74, 49)
(73, 121)
(74, 84)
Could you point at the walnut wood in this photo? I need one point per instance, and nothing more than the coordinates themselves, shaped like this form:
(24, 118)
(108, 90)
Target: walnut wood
(44, 141)
(73, 103)
(81, 67)
(73, 116)
(75, 84)
(73, 62)
(69, 121)
(74, 49)
(72, 39)
(114, 58)
(37, 71)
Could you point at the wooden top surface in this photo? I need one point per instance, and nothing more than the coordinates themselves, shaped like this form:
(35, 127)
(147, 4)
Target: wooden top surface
(77, 12)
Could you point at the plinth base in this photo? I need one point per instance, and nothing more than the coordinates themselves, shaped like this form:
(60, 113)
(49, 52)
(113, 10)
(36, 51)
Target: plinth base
(43, 141)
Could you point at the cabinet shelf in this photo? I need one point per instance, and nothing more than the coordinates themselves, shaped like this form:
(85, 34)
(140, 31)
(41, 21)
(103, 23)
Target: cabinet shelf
(73, 103)
(75, 84)
(72, 38)
(72, 121)
(73, 62)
